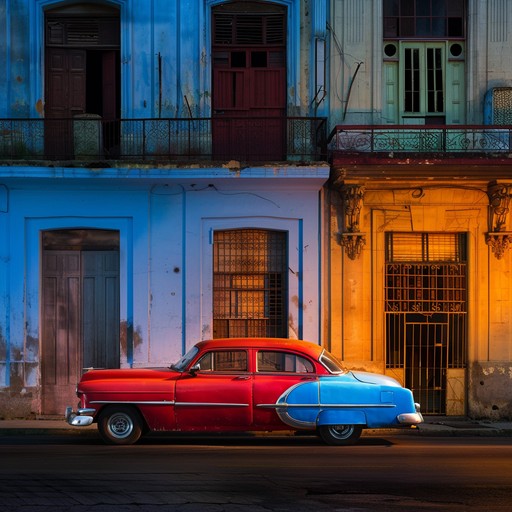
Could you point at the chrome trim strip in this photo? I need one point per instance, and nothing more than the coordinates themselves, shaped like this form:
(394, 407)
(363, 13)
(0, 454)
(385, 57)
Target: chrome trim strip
(138, 402)
(285, 405)
(169, 402)
(209, 404)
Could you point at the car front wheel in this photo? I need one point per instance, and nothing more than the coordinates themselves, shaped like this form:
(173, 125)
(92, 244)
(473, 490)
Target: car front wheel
(120, 425)
(340, 435)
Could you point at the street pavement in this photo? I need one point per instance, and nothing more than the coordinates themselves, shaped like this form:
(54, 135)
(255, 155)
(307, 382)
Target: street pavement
(433, 426)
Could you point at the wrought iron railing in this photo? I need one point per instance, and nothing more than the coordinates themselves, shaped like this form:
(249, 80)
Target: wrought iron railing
(476, 139)
(88, 137)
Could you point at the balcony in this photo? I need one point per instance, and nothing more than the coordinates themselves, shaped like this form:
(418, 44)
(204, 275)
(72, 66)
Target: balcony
(88, 138)
(433, 150)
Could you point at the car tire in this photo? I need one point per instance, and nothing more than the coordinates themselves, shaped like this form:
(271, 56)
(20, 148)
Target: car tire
(120, 424)
(340, 435)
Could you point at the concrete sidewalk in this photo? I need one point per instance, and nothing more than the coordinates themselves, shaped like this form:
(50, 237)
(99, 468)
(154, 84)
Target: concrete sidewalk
(433, 426)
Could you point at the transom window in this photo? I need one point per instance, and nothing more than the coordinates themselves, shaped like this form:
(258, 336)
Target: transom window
(424, 19)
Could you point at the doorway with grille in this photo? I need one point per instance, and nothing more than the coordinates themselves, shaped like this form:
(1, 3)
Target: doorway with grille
(250, 288)
(426, 314)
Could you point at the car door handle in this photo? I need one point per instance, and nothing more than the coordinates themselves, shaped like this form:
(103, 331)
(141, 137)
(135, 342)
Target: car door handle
(308, 378)
(243, 377)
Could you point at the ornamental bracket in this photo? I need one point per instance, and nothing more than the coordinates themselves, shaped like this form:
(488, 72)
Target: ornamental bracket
(498, 239)
(351, 237)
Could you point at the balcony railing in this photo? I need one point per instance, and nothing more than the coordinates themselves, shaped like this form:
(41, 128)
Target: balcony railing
(90, 138)
(474, 139)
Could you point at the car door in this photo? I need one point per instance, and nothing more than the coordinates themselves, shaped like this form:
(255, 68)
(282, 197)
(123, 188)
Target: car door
(277, 371)
(217, 395)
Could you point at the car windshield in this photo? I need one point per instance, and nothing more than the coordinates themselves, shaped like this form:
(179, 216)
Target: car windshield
(331, 363)
(182, 364)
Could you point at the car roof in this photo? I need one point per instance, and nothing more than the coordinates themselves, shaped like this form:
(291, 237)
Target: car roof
(308, 347)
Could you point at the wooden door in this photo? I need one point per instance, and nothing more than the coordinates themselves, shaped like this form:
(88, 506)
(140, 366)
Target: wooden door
(80, 321)
(249, 110)
(249, 81)
(65, 97)
(61, 311)
(100, 310)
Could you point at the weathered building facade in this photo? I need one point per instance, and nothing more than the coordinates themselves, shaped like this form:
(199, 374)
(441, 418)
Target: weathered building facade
(419, 198)
(164, 179)
(162, 171)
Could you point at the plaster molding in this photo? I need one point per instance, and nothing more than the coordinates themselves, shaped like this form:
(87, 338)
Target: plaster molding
(498, 239)
(351, 238)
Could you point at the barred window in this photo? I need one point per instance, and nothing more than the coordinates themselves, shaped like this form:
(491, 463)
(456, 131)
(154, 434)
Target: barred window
(250, 283)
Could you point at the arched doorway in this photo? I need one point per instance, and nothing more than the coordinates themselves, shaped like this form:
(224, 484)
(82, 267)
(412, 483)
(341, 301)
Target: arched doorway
(249, 81)
(82, 76)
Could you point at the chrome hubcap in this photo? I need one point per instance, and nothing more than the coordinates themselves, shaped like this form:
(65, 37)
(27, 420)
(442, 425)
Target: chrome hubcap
(120, 425)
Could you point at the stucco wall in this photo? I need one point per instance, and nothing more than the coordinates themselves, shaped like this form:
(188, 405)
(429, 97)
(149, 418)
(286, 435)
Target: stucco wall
(357, 329)
(489, 384)
(165, 221)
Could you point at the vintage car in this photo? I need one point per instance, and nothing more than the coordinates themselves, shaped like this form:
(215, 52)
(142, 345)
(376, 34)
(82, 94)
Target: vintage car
(243, 384)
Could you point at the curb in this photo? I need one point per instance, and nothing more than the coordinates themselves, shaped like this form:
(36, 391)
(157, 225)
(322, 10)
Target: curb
(439, 428)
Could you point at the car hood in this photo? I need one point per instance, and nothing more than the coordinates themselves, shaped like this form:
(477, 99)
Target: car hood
(130, 374)
(375, 378)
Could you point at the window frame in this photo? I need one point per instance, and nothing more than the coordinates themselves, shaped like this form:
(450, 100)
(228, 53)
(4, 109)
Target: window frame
(285, 354)
(423, 90)
(396, 18)
(214, 362)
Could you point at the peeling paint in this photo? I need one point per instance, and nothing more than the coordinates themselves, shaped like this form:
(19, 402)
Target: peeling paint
(31, 348)
(293, 332)
(129, 339)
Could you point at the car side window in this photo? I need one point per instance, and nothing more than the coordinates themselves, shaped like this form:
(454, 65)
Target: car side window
(275, 361)
(224, 361)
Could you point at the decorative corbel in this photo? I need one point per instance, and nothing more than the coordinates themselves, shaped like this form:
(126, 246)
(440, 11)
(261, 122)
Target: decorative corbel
(351, 238)
(498, 239)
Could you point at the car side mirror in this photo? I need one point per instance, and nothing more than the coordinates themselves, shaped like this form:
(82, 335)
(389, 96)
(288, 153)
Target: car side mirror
(194, 369)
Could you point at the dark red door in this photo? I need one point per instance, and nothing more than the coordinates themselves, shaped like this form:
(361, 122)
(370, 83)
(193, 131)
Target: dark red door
(65, 98)
(81, 77)
(249, 81)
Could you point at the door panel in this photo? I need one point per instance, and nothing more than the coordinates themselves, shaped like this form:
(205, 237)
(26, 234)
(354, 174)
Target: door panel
(214, 401)
(268, 89)
(60, 361)
(65, 97)
(100, 309)
(249, 115)
(267, 390)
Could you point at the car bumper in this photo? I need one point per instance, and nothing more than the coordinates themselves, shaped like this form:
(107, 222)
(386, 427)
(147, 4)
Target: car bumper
(411, 418)
(80, 418)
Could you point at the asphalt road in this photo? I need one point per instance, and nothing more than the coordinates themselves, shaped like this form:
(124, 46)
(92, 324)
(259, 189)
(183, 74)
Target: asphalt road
(260, 474)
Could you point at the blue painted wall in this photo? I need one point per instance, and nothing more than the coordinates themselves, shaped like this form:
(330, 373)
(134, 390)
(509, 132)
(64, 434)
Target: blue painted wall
(176, 33)
(164, 216)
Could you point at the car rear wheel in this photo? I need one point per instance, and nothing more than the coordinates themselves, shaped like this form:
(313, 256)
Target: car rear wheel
(119, 424)
(340, 435)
